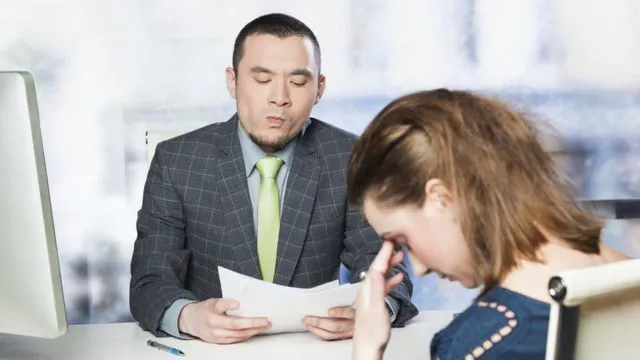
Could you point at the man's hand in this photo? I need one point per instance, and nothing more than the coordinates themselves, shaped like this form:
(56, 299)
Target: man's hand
(337, 326)
(207, 320)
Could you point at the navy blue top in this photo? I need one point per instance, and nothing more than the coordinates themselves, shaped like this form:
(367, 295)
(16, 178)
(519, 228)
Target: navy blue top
(502, 324)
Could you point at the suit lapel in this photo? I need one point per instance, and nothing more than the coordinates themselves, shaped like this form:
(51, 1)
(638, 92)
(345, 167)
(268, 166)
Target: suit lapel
(234, 196)
(300, 196)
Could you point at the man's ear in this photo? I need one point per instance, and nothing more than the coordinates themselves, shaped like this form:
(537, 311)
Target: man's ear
(231, 81)
(322, 80)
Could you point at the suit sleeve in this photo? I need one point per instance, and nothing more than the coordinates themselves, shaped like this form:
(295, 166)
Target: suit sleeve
(159, 261)
(362, 244)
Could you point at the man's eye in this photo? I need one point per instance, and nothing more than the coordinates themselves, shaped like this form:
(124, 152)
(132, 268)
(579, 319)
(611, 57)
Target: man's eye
(299, 80)
(262, 81)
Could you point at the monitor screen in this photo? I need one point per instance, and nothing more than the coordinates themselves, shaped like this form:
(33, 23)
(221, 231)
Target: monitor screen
(31, 299)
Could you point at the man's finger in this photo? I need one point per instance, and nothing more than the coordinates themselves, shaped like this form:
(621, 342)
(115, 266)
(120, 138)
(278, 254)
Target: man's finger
(240, 323)
(215, 340)
(220, 306)
(381, 261)
(327, 335)
(346, 312)
(227, 340)
(237, 334)
(334, 325)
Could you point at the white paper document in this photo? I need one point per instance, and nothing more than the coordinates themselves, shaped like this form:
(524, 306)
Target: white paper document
(284, 306)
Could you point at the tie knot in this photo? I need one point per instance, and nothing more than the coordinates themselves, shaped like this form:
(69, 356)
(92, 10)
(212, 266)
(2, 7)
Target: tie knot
(269, 166)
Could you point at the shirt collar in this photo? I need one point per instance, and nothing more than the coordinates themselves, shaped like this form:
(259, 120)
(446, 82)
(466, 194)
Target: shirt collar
(252, 152)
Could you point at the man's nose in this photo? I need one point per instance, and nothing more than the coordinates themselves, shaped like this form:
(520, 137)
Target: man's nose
(279, 94)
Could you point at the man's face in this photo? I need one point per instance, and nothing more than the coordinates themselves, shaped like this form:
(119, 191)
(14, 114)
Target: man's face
(275, 86)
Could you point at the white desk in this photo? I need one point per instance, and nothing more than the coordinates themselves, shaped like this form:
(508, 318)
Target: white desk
(125, 341)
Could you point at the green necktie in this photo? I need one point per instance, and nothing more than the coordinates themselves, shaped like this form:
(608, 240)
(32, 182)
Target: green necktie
(268, 215)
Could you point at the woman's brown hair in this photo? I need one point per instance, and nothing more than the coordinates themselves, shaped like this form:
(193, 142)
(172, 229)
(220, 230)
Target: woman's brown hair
(506, 187)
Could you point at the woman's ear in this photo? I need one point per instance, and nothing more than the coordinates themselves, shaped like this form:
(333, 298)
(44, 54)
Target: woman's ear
(439, 198)
(435, 190)
(433, 202)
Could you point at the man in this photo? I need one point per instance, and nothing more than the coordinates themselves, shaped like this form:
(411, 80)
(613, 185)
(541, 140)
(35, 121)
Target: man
(263, 194)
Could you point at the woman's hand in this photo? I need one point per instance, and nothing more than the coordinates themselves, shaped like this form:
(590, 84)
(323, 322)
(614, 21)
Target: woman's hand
(372, 326)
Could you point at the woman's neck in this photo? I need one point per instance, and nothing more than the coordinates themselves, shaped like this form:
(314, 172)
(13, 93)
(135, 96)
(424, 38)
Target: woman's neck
(531, 278)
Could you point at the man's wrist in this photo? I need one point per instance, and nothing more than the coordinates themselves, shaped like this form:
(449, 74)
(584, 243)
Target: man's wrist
(183, 323)
(169, 323)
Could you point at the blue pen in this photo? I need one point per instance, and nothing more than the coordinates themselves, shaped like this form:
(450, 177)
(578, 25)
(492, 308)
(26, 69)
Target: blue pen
(166, 348)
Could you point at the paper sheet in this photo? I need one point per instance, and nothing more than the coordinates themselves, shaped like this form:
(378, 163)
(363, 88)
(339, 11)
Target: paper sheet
(284, 306)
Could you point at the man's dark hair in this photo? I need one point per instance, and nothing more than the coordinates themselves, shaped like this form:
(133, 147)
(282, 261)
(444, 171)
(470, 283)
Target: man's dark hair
(276, 24)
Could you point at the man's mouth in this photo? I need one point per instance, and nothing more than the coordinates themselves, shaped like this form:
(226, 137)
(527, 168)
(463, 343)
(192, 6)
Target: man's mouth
(275, 120)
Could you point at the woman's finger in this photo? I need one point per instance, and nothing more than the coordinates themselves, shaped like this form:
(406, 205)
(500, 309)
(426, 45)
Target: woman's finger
(381, 261)
(393, 282)
(377, 284)
(396, 259)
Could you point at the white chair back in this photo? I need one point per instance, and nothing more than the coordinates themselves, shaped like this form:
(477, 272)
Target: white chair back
(596, 314)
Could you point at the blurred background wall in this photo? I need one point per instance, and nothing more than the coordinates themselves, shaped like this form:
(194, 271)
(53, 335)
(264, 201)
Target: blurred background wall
(107, 71)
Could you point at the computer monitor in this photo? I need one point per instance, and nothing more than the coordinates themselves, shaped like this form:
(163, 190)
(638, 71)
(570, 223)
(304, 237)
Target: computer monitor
(31, 299)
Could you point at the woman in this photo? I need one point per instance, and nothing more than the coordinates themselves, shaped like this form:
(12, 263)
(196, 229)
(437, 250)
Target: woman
(464, 185)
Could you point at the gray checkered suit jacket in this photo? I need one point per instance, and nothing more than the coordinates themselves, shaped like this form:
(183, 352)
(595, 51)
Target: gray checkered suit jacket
(196, 214)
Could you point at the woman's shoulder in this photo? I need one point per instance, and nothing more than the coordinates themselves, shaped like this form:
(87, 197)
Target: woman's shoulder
(499, 323)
